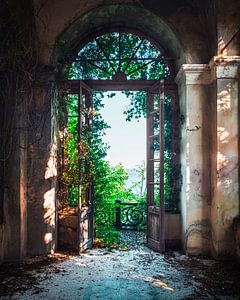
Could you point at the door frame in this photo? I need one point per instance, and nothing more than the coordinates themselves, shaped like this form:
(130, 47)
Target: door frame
(155, 212)
(149, 86)
(85, 213)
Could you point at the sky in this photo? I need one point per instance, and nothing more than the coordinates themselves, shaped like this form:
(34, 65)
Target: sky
(127, 140)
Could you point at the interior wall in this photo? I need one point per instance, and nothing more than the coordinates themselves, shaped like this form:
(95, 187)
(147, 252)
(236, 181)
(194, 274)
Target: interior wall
(195, 157)
(55, 18)
(183, 153)
(189, 32)
(42, 172)
(225, 197)
(228, 25)
(14, 228)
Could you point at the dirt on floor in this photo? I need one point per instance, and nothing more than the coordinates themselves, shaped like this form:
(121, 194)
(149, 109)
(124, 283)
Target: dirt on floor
(133, 273)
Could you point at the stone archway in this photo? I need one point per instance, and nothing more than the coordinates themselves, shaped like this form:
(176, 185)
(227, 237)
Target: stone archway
(209, 162)
(204, 40)
(113, 17)
(196, 87)
(81, 31)
(152, 87)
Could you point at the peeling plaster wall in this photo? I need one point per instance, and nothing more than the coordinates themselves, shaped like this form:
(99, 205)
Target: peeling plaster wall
(114, 16)
(183, 153)
(228, 26)
(209, 102)
(237, 236)
(196, 42)
(55, 17)
(1, 242)
(68, 229)
(195, 157)
(42, 174)
(186, 33)
(13, 232)
(225, 200)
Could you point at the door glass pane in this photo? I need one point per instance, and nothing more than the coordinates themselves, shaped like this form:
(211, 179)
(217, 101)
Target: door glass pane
(70, 173)
(156, 183)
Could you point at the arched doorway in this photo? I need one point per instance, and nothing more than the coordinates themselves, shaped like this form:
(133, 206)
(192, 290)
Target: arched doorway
(123, 60)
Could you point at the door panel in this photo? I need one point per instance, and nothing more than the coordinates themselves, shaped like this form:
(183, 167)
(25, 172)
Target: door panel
(85, 238)
(85, 195)
(155, 168)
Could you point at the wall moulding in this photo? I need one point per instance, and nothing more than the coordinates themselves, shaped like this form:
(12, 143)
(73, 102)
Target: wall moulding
(204, 74)
(226, 60)
(225, 67)
(193, 74)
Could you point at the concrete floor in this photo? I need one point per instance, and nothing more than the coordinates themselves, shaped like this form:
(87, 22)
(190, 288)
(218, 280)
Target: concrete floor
(138, 273)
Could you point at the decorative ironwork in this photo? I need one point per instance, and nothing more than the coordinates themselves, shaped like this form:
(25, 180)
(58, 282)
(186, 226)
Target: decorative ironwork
(119, 56)
(130, 215)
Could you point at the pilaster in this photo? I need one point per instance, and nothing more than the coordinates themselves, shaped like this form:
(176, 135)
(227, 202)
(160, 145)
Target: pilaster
(225, 159)
(193, 81)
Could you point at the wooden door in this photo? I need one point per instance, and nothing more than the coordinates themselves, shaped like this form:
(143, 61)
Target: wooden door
(155, 168)
(85, 186)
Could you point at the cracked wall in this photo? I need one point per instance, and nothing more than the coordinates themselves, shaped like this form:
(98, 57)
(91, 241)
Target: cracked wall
(187, 32)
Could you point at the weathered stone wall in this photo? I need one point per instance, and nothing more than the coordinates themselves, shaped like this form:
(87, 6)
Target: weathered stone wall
(190, 33)
(193, 24)
(42, 172)
(225, 168)
(228, 27)
(195, 157)
(236, 227)
(13, 234)
(173, 232)
(68, 229)
(210, 155)
(1, 242)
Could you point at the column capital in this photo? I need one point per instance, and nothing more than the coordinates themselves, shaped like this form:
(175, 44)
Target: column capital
(194, 74)
(225, 67)
(225, 60)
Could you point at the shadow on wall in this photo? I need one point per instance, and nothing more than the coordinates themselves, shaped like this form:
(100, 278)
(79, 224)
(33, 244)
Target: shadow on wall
(42, 176)
(227, 170)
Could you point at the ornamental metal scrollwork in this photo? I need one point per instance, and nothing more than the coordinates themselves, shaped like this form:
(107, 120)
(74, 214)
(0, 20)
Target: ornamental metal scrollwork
(132, 215)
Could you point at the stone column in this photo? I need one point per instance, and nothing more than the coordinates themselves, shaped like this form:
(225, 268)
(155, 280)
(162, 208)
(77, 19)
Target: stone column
(193, 81)
(225, 159)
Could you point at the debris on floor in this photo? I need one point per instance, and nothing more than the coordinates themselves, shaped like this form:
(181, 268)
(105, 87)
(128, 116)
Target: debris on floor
(137, 273)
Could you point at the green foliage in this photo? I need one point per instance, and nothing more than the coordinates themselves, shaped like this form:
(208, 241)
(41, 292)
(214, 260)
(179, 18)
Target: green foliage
(108, 182)
(123, 53)
(137, 106)
(134, 58)
(107, 235)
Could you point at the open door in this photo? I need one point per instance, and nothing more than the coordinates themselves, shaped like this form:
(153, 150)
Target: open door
(155, 168)
(85, 186)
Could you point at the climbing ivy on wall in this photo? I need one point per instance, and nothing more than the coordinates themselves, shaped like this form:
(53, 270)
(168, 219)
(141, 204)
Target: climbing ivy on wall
(18, 61)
